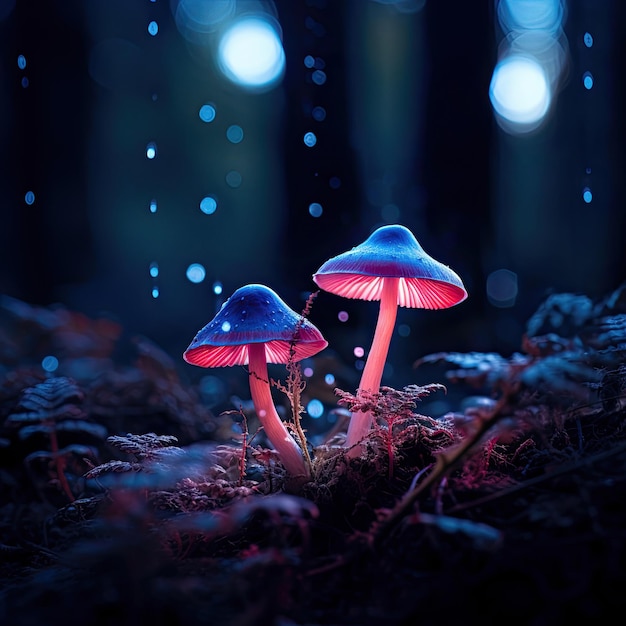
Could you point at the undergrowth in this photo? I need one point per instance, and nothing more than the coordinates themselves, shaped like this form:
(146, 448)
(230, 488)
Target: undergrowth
(542, 425)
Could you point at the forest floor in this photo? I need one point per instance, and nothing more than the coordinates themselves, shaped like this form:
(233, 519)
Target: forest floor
(125, 500)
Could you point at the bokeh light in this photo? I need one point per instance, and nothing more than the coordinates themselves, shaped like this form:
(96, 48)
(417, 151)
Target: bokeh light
(318, 113)
(50, 363)
(404, 330)
(532, 57)
(207, 113)
(318, 77)
(196, 273)
(153, 206)
(358, 352)
(151, 150)
(588, 80)
(153, 28)
(154, 269)
(208, 205)
(315, 408)
(234, 179)
(343, 316)
(519, 93)
(531, 14)
(217, 287)
(315, 209)
(234, 134)
(310, 139)
(502, 288)
(196, 19)
(587, 195)
(29, 197)
(251, 55)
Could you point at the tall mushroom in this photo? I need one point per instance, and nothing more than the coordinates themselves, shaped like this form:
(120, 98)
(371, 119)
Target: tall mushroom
(390, 266)
(255, 327)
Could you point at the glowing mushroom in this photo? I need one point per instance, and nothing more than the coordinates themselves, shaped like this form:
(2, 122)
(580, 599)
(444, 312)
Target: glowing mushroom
(390, 266)
(255, 327)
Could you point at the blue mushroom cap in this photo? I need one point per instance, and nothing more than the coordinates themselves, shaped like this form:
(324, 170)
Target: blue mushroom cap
(254, 314)
(392, 252)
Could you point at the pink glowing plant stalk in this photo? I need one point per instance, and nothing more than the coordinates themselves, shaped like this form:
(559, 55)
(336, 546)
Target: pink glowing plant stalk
(255, 327)
(390, 266)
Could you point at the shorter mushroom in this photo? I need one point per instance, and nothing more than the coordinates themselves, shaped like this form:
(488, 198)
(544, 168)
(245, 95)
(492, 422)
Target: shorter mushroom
(390, 266)
(255, 327)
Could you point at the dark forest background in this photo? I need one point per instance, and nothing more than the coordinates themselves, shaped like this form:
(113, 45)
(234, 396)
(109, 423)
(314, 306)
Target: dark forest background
(409, 136)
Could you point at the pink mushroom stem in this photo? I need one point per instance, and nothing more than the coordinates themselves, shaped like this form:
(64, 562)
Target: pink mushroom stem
(360, 421)
(286, 446)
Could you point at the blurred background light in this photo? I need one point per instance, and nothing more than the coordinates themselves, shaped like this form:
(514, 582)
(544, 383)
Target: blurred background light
(29, 198)
(531, 14)
(250, 53)
(234, 179)
(404, 330)
(208, 205)
(318, 77)
(533, 56)
(234, 134)
(196, 273)
(548, 51)
(502, 288)
(315, 209)
(195, 19)
(319, 114)
(315, 408)
(50, 363)
(519, 94)
(207, 113)
(151, 150)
